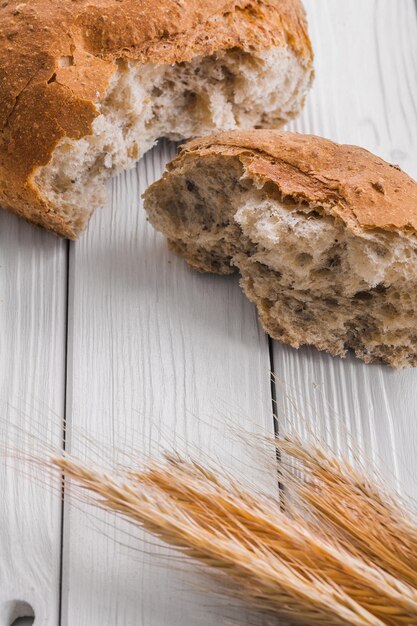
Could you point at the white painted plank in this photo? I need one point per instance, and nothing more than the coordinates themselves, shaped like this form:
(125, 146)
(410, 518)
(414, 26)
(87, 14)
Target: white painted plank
(158, 354)
(366, 61)
(32, 364)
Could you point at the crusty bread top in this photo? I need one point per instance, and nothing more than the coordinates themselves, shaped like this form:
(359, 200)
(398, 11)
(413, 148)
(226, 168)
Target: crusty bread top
(350, 182)
(57, 58)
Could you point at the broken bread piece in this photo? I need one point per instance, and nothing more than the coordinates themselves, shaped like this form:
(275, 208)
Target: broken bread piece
(86, 88)
(324, 236)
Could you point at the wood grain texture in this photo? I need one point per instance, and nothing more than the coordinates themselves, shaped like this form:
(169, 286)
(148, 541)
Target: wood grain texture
(32, 364)
(364, 94)
(158, 355)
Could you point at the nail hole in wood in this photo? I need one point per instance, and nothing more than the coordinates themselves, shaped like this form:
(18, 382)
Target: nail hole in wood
(17, 613)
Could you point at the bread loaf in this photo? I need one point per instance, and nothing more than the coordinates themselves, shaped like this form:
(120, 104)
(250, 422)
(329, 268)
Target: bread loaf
(86, 87)
(324, 236)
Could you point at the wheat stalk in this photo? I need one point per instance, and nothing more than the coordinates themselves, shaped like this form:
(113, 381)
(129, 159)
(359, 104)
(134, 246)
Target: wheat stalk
(308, 563)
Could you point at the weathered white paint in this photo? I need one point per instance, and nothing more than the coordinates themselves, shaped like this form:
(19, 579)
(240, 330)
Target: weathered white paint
(153, 347)
(32, 360)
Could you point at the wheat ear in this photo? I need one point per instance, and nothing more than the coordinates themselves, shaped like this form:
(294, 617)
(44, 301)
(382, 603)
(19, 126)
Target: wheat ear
(302, 567)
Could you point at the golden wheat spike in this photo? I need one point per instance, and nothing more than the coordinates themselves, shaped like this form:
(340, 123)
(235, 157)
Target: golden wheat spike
(365, 516)
(292, 540)
(281, 564)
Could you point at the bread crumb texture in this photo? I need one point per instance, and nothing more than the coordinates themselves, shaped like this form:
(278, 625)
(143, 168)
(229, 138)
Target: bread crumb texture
(323, 235)
(87, 87)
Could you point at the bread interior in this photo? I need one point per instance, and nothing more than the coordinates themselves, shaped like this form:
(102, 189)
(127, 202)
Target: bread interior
(144, 102)
(314, 280)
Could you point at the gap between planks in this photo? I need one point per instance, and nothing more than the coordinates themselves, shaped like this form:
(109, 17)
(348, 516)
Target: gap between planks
(64, 432)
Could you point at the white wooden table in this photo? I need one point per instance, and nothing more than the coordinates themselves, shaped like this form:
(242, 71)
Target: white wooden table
(118, 337)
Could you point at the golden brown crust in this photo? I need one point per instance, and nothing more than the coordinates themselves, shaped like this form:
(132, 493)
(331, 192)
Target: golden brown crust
(57, 58)
(346, 181)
